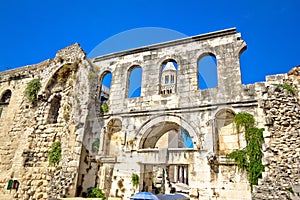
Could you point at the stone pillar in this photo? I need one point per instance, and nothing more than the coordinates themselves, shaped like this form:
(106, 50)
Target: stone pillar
(181, 174)
(175, 173)
(186, 174)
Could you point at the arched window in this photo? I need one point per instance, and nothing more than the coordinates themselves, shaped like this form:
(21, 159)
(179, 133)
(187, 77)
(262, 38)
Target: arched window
(54, 108)
(207, 72)
(105, 87)
(168, 77)
(134, 82)
(5, 98)
(225, 139)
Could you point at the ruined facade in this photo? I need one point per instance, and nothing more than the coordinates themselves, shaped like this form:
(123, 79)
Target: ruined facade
(162, 127)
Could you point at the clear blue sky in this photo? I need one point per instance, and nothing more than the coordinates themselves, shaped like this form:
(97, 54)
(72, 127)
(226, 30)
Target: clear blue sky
(33, 31)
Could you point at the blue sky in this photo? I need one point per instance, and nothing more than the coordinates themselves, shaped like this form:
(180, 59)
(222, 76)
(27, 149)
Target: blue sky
(33, 31)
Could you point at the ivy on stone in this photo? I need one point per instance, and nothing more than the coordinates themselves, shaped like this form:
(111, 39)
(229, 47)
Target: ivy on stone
(32, 89)
(249, 158)
(55, 153)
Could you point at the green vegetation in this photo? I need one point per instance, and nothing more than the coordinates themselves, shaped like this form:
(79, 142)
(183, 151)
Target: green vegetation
(135, 180)
(1, 111)
(249, 158)
(95, 193)
(104, 108)
(287, 87)
(95, 145)
(32, 89)
(54, 153)
(66, 71)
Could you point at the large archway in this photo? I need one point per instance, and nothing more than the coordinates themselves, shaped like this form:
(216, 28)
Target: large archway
(167, 144)
(152, 131)
(166, 135)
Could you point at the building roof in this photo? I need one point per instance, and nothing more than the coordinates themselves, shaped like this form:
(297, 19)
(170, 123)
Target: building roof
(169, 67)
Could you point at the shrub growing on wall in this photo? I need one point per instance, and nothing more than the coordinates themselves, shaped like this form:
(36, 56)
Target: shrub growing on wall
(135, 180)
(32, 90)
(95, 192)
(55, 153)
(249, 158)
(65, 71)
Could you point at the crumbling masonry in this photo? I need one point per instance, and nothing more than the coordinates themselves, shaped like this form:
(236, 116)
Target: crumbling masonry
(172, 134)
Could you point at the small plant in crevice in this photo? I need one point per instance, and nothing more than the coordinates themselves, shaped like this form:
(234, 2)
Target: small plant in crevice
(92, 75)
(103, 108)
(66, 71)
(287, 87)
(54, 153)
(95, 193)
(135, 179)
(95, 145)
(1, 111)
(249, 158)
(32, 89)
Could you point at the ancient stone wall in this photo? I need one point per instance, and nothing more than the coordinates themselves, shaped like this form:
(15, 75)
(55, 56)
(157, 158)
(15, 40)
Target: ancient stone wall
(29, 129)
(104, 149)
(282, 142)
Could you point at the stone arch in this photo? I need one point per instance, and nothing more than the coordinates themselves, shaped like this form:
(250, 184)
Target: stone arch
(45, 91)
(169, 122)
(134, 86)
(114, 138)
(225, 138)
(174, 57)
(104, 89)
(207, 70)
(5, 97)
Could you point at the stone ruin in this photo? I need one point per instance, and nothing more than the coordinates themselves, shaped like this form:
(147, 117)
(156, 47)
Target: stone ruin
(163, 128)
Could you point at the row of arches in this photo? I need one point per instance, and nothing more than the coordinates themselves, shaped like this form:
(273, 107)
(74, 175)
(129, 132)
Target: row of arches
(207, 77)
(174, 132)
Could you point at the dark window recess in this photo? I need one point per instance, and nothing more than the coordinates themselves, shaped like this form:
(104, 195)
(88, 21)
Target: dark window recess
(54, 108)
(6, 97)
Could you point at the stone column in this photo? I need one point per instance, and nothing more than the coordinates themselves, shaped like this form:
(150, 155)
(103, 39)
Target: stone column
(181, 174)
(175, 173)
(186, 174)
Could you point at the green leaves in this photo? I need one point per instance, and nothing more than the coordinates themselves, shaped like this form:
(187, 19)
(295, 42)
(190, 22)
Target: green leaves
(135, 180)
(54, 153)
(287, 87)
(95, 192)
(249, 158)
(95, 145)
(32, 90)
(104, 108)
(66, 71)
(243, 119)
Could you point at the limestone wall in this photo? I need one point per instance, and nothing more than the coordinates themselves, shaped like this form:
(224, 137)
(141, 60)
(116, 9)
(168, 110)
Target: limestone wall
(281, 150)
(104, 150)
(28, 130)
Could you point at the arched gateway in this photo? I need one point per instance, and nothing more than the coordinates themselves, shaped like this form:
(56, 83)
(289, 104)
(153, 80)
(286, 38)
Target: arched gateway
(166, 144)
